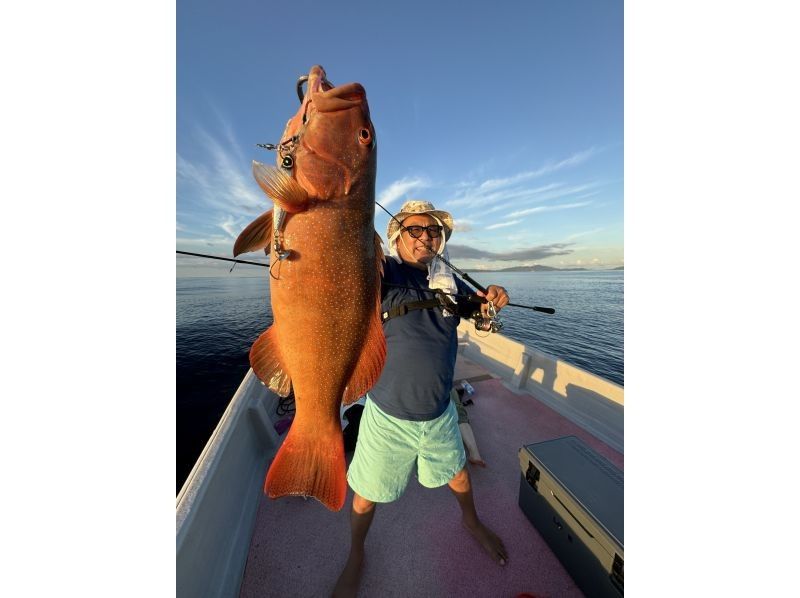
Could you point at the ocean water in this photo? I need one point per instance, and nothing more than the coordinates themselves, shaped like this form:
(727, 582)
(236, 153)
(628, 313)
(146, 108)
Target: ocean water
(218, 318)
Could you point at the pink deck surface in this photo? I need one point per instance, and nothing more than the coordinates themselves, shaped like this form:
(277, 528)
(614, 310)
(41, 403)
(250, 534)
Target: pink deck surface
(417, 546)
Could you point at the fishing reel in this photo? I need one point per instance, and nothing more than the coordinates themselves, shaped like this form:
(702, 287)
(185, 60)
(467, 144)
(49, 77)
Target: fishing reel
(490, 324)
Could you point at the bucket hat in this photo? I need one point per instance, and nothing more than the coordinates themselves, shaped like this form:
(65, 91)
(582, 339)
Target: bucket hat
(415, 207)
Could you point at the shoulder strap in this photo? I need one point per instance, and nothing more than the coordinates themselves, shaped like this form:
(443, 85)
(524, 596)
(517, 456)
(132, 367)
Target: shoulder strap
(404, 308)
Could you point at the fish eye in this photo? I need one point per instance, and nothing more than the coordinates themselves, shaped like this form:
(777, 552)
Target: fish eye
(364, 136)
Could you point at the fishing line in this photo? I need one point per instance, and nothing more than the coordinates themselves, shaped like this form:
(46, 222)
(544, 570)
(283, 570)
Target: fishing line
(279, 270)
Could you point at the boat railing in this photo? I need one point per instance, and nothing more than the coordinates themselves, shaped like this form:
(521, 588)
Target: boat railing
(592, 402)
(217, 504)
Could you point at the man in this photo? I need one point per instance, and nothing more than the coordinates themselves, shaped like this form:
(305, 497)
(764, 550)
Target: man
(409, 421)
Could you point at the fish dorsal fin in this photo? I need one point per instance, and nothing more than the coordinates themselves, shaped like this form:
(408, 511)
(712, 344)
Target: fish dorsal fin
(266, 363)
(373, 354)
(281, 188)
(257, 235)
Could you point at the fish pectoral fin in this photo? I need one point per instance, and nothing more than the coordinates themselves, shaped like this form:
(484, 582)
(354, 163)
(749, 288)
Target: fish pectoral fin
(266, 363)
(257, 235)
(370, 363)
(286, 192)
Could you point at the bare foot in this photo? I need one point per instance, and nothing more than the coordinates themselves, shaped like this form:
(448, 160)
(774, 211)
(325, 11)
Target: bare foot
(491, 543)
(347, 585)
(480, 462)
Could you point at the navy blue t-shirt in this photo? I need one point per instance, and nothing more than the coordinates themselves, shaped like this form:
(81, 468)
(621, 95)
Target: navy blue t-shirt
(421, 349)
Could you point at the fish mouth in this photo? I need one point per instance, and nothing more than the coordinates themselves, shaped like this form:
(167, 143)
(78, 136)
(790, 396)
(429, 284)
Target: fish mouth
(351, 95)
(329, 98)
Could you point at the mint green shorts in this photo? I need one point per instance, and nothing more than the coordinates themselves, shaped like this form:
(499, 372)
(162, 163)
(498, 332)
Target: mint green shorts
(388, 448)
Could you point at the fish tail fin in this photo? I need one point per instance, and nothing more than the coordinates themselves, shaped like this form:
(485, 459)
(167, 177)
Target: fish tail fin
(310, 465)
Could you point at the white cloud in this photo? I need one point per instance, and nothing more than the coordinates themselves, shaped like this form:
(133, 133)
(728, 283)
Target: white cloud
(503, 224)
(215, 190)
(521, 198)
(514, 192)
(221, 180)
(463, 224)
(475, 198)
(231, 226)
(539, 209)
(548, 168)
(401, 188)
(510, 204)
(583, 234)
(584, 196)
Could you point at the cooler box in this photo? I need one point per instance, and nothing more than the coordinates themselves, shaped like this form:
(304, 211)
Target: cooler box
(574, 497)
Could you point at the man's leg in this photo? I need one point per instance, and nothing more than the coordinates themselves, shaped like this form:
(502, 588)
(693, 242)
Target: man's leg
(462, 488)
(360, 520)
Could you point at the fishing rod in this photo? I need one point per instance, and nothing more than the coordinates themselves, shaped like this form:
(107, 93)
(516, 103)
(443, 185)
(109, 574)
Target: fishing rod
(464, 275)
(225, 259)
(471, 297)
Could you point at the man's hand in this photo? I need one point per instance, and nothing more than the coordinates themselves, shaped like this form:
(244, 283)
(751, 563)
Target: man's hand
(497, 295)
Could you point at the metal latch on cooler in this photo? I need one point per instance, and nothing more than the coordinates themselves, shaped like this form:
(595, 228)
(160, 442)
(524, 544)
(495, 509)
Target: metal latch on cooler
(532, 476)
(618, 572)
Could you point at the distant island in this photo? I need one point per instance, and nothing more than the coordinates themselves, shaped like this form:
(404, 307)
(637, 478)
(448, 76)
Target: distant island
(539, 268)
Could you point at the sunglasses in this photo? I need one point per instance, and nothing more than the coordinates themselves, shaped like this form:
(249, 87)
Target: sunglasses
(434, 231)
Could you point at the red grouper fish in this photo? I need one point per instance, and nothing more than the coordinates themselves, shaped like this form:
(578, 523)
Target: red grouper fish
(326, 343)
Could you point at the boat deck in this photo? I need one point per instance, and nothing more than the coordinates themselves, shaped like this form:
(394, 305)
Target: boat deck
(416, 545)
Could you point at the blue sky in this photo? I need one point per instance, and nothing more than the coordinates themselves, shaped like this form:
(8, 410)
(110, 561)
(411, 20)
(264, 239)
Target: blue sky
(508, 115)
